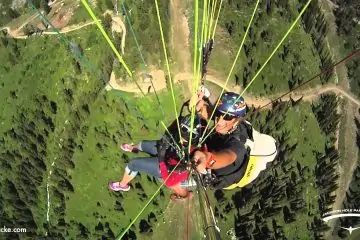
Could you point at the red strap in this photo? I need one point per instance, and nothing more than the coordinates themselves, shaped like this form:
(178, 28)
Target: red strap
(210, 161)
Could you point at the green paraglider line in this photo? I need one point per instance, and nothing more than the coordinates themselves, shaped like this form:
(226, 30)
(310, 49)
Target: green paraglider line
(233, 65)
(266, 62)
(141, 55)
(103, 32)
(121, 235)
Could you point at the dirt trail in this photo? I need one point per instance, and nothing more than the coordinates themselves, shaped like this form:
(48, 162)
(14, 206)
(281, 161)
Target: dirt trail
(15, 33)
(158, 78)
(116, 26)
(71, 28)
(308, 94)
(180, 33)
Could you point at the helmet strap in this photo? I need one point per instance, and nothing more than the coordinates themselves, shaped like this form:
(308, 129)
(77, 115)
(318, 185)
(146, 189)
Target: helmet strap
(234, 127)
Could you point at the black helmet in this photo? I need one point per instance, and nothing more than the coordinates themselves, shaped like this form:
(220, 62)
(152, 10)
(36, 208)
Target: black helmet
(197, 130)
(232, 104)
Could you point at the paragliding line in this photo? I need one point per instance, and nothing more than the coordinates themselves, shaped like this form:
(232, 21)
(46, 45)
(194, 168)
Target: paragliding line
(195, 65)
(212, 16)
(200, 185)
(168, 70)
(91, 13)
(267, 60)
(217, 18)
(234, 62)
(133, 32)
(188, 211)
(141, 55)
(205, 20)
(195, 86)
(147, 204)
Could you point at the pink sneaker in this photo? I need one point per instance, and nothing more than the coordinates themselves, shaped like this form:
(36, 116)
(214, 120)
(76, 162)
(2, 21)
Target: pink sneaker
(116, 186)
(129, 148)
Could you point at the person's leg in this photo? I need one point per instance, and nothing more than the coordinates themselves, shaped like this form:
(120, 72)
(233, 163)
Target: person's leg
(128, 176)
(148, 146)
(148, 165)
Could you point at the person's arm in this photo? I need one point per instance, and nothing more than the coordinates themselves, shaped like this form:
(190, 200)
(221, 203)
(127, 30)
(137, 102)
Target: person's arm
(220, 159)
(215, 160)
(204, 108)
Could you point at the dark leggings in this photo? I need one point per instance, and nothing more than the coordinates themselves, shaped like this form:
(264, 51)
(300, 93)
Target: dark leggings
(149, 165)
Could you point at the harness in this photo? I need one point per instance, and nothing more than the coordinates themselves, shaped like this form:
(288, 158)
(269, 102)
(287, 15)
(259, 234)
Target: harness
(217, 178)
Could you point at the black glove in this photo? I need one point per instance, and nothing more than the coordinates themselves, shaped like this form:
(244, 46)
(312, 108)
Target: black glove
(161, 149)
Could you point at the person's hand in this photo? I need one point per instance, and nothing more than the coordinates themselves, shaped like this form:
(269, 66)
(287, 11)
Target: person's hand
(201, 168)
(197, 100)
(200, 161)
(205, 91)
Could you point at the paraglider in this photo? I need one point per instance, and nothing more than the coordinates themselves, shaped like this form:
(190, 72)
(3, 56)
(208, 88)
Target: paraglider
(236, 152)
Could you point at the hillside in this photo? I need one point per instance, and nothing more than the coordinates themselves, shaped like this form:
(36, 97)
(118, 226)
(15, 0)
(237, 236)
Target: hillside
(68, 103)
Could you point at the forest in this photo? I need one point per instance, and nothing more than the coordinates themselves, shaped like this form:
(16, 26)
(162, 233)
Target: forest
(61, 131)
(347, 20)
(50, 120)
(352, 200)
(287, 201)
(300, 57)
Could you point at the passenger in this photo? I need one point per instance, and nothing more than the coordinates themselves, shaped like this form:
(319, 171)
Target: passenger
(164, 156)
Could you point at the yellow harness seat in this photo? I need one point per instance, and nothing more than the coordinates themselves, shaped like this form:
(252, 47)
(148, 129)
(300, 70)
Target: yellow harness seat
(262, 150)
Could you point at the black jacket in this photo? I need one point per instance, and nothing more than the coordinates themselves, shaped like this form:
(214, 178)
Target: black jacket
(234, 141)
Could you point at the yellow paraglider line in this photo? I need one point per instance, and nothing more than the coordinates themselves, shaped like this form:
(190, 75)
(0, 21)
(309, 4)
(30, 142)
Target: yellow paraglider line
(197, 59)
(168, 70)
(103, 32)
(217, 18)
(232, 67)
(267, 60)
(97, 22)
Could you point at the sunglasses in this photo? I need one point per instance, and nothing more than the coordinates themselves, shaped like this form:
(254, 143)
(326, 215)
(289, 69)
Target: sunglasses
(227, 117)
